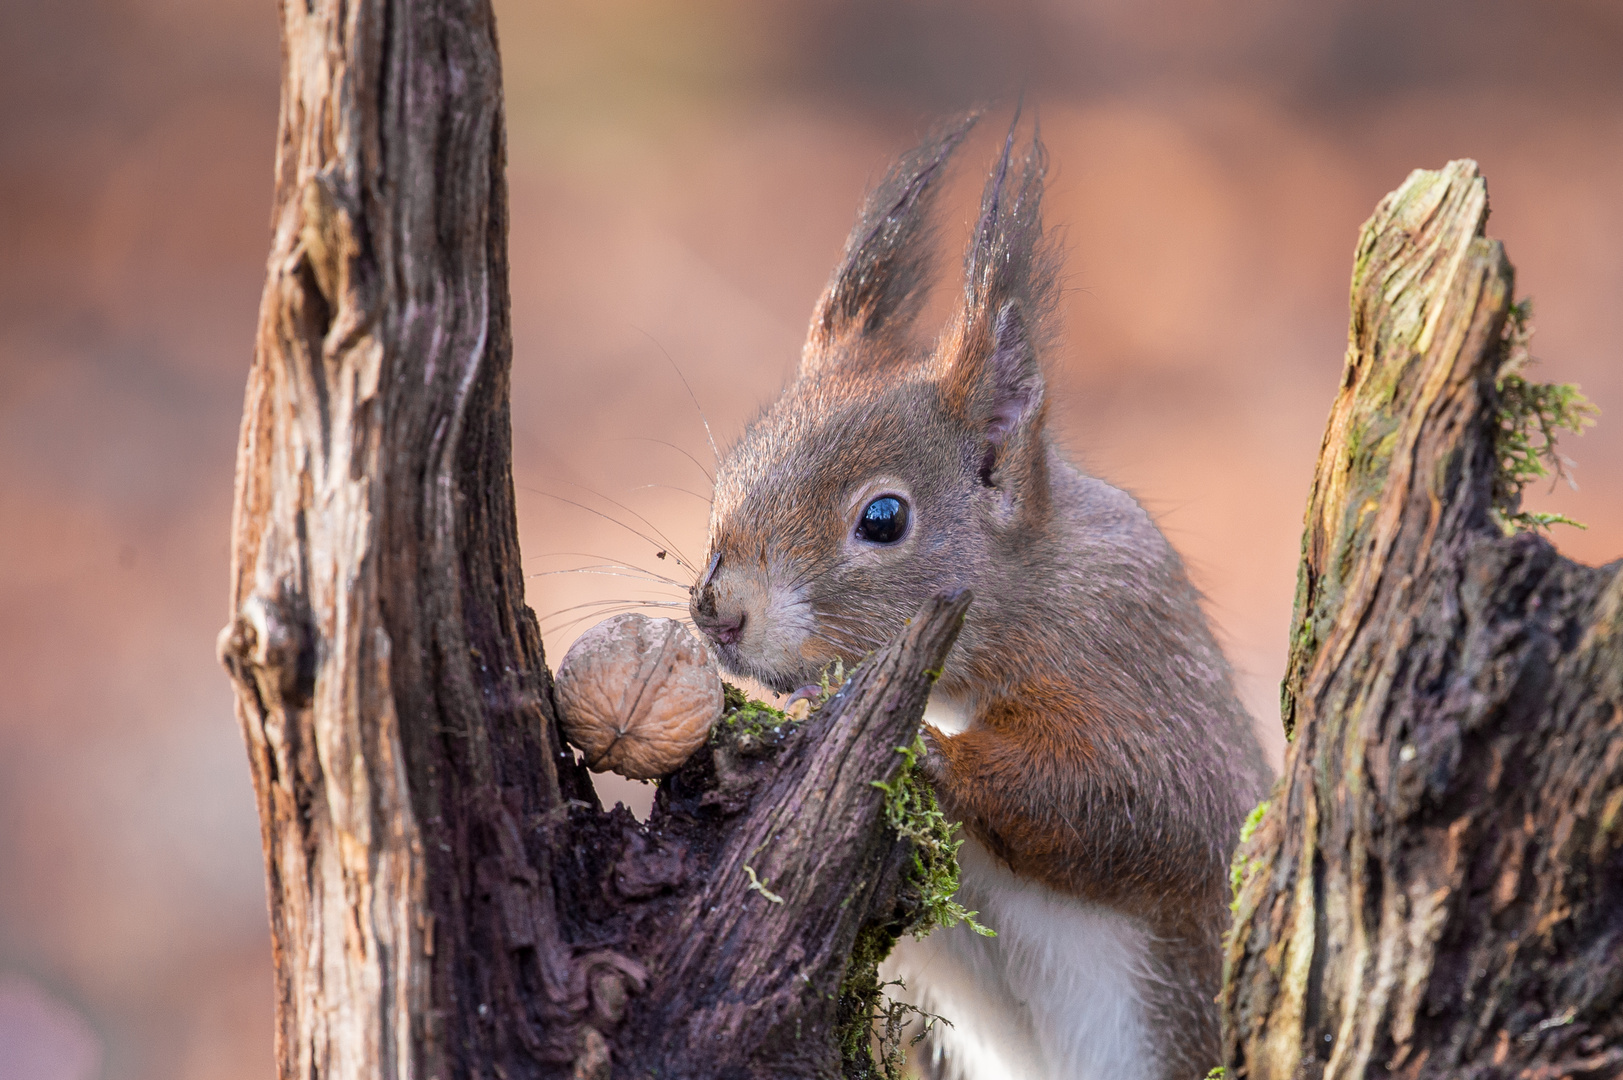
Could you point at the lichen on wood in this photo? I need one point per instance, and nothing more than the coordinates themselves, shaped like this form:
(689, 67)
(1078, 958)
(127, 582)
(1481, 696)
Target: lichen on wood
(1436, 889)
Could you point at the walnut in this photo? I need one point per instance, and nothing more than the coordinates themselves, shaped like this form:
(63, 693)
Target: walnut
(638, 695)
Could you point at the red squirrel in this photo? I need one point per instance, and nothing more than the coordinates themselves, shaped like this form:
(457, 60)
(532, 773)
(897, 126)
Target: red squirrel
(1085, 730)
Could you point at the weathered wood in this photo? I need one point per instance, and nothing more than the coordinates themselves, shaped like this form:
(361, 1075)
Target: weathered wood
(447, 898)
(1437, 887)
(390, 680)
(749, 982)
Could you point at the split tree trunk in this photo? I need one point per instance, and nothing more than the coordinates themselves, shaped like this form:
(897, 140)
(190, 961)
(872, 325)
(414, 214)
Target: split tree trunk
(447, 898)
(1436, 889)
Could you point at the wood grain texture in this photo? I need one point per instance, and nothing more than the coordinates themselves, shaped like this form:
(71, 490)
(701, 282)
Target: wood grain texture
(1437, 887)
(390, 679)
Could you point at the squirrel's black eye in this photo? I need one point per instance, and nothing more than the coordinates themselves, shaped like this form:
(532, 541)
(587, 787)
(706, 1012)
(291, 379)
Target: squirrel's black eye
(884, 521)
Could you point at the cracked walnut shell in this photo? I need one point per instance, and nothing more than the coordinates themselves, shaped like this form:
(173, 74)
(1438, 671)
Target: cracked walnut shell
(637, 696)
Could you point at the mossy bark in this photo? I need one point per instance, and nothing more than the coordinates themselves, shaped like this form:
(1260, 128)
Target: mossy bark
(1436, 889)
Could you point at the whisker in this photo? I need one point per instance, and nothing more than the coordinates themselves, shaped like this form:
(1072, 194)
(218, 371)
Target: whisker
(565, 627)
(862, 643)
(849, 625)
(610, 603)
(847, 650)
(669, 545)
(675, 555)
(815, 571)
(608, 570)
(852, 632)
(831, 636)
(673, 487)
(859, 588)
(847, 615)
(673, 446)
(607, 560)
(677, 589)
(605, 612)
(796, 583)
(862, 590)
(691, 395)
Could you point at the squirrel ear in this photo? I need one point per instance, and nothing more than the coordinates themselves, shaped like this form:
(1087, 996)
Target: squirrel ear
(996, 388)
(1014, 378)
(879, 286)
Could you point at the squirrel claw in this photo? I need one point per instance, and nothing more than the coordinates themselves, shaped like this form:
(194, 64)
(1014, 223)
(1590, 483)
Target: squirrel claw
(800, 704)
(934, 763)
(804, 693)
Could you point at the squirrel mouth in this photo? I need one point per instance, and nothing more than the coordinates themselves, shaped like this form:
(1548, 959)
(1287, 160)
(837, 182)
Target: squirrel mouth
(756, 627)
(735, 660)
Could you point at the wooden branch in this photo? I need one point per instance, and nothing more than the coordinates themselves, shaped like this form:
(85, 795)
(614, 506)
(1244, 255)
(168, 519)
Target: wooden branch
(1437, 887)
(752, 957)
(447, 898)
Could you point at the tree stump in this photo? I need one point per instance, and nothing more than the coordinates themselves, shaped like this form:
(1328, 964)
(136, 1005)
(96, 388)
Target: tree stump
(1436, 889)
(447, 897)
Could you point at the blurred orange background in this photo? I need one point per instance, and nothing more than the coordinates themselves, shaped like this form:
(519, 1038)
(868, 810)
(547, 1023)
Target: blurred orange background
(682, 178)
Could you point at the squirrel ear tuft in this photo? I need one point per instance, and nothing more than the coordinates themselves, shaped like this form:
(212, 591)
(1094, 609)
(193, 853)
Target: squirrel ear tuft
(1008, 257)
(882, 279)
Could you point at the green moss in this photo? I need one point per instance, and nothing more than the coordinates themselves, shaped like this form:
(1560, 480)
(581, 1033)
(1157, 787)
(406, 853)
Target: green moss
(863, 1007)
(744, 717)
(748, 722)
(1611, 812)
(912, 810)
(832, 678)
(1252, 820)
(1241, 867)
(760, 886)
(1530, 416)
(869, 1019)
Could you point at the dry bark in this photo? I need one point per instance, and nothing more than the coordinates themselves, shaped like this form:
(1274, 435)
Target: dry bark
(1437, 887)
(447, 898)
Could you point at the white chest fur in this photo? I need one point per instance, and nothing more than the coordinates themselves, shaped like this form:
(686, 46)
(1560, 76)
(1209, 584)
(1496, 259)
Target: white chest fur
(1055, 996)
(950, 716)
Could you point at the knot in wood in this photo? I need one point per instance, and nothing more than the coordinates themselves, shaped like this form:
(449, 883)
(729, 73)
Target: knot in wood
(268, 646)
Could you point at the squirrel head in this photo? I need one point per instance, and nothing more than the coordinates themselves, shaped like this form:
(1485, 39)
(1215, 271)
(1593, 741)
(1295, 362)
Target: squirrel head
(889, 469)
